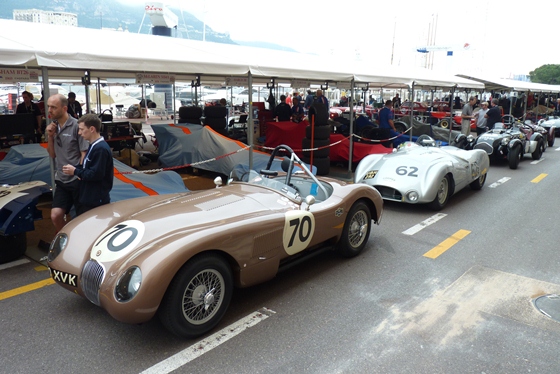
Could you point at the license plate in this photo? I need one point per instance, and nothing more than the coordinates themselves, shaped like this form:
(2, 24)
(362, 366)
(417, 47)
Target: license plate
(66, 278)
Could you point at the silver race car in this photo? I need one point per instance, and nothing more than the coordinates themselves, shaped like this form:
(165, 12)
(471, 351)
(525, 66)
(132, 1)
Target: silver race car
(423, 172)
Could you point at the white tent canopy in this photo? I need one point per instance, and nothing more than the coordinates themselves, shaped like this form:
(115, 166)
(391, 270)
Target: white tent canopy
(498, 84)
(33, 45)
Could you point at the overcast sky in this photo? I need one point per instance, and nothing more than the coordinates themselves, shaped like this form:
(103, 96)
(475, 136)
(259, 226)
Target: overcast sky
(505, 37)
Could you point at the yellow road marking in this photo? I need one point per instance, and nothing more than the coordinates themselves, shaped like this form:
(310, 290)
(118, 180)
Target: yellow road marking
(24, 289)
(446, 244)
(539, 178)
(41, 268)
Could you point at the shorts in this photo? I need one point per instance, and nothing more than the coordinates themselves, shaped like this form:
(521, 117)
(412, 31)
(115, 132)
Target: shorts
(66, 195)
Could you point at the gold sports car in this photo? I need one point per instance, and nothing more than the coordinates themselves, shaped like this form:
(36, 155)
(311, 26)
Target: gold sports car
(180, 255)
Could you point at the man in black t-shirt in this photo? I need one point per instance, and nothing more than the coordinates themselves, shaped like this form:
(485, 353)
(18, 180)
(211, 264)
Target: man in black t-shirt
(493, 115)
(30, 107)
(283, 111)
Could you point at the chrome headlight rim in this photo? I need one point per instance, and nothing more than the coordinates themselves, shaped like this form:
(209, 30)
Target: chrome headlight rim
(412, 196)
(128, 284)
(58, 245)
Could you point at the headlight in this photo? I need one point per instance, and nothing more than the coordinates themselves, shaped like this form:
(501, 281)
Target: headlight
(128, 284)
(57, 246)
(412, 196)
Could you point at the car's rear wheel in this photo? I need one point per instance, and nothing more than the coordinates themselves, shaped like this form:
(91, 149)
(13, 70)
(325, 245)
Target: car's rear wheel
(537, 153)
(442, 195)
(13, 247)
(514, 156)
(355, 233)
(198, 296)
(478, 183)
(400, 127)
(444, 123)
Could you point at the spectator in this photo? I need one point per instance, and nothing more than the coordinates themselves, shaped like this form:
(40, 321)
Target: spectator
(343, 100)
(289, 100)
(466, 116)
(65, 146)
(396, 101)
(283, 112)
(493, 115)
(322, 99)
(386, 121)
(480, 118)
(308, 100)
(74, 107)
(96, 171)
(29, 107)
(223, 102)
(297, 111)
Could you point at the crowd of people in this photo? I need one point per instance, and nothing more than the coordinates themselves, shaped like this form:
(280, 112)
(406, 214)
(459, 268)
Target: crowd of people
(292, 109)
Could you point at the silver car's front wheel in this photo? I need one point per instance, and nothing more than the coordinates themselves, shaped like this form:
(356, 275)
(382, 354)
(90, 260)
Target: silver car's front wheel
(198, 296)
(442, 195)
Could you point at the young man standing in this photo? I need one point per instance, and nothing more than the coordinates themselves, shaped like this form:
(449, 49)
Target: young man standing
(65, 146)
(96, 171)
(467, 115)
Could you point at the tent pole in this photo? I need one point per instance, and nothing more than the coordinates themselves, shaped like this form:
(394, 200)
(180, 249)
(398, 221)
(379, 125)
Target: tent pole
(251, 133)
(411, 110)
(351, 148)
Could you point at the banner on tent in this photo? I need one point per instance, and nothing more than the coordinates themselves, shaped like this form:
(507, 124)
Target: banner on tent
(298, 83)
(19, 75)
(237, 81)
(155, 78)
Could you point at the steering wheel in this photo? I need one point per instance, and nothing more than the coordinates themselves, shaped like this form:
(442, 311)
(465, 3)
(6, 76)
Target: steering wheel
(288, 167)
(508, 120)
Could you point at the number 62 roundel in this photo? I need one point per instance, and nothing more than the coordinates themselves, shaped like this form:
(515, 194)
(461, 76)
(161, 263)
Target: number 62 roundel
(299, 226)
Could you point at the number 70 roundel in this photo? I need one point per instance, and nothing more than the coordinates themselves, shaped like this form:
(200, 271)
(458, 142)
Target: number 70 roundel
(299, 226)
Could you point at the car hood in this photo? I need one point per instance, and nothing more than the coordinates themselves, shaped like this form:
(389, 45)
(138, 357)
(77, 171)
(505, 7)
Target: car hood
(400, 168)
(148, 220)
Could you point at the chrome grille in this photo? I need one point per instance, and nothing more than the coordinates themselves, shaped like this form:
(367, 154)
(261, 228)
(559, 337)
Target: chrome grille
(389, 193)
(92, 276)
(485, 147)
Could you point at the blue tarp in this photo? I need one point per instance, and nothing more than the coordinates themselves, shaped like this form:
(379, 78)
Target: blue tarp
(29, 162)
(187, 144)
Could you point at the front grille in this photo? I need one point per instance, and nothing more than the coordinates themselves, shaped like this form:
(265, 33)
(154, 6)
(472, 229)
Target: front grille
(92, 276)
(485, 147)
(389, 193)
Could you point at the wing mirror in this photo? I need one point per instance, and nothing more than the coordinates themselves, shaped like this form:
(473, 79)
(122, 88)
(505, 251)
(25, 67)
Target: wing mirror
(309, 200)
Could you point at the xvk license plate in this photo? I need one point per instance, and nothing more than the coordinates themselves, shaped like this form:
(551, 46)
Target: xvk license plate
(66, 278)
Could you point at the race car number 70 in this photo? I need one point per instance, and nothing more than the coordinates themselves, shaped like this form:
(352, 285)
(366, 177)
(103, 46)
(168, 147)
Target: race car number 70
(299, 227)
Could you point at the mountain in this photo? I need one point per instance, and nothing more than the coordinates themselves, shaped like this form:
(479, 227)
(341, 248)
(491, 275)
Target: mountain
(97, 14)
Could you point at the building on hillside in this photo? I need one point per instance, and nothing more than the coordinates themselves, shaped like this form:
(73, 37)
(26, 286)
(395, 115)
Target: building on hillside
(46, 16)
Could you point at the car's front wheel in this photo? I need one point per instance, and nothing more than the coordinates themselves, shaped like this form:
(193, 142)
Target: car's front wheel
(537, 153)
(197, 297)
(478, 183)
(442, 195)
(551, 139)
(355, 233)
(514, 155)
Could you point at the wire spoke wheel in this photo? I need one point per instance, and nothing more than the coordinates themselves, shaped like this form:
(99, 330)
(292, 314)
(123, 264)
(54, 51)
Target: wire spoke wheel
(203, 296)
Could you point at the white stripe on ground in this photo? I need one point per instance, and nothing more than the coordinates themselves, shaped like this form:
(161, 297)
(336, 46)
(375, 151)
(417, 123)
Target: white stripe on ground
(433, 219)
(198, 349)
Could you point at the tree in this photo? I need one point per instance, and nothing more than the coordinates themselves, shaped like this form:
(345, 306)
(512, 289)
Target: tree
(547, 74)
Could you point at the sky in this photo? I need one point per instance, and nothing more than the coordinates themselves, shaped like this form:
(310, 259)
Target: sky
(505, 38)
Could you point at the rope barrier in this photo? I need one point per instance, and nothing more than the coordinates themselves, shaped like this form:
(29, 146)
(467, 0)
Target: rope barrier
(194, 164)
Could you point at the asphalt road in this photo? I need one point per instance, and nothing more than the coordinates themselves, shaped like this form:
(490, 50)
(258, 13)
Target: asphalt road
(396, 308)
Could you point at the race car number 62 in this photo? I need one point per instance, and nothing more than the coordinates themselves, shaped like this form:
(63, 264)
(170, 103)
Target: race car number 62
(409, 171)
(298, 230)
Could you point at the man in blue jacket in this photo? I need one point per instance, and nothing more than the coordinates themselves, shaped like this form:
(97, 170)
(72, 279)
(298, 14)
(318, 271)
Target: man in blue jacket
(96, 171)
